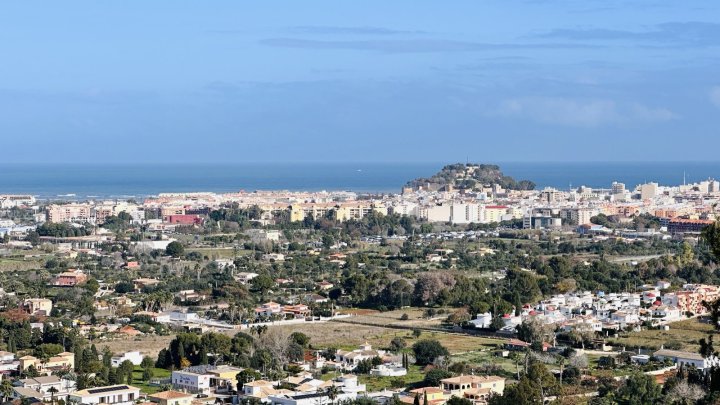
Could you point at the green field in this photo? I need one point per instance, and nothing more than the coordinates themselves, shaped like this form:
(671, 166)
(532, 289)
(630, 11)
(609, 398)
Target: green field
(375, 383)
(143, 385)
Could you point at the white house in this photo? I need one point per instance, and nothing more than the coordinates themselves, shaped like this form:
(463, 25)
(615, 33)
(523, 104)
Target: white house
(245, 277)
(8, 363)
(39, 388)
(350, 359)
(482, 321)
(109, 395)
(388, 370)
(134, 357)
(684, 358)
(666, 313)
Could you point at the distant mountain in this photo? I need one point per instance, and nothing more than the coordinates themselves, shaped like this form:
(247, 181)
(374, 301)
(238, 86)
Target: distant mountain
(470, 176)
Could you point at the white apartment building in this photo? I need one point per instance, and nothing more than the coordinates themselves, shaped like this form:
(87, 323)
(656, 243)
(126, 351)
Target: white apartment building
(465, 213)
(191, 380)
(13, 200)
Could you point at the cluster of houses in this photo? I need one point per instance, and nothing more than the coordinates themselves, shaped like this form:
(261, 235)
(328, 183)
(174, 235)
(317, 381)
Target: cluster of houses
(613, 311)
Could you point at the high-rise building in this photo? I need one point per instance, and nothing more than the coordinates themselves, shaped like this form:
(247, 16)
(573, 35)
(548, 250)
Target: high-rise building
(648, 191)
(617, 188)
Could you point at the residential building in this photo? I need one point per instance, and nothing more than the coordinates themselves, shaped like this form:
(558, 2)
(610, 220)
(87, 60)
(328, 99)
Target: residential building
(133, 357)
(681, 358)
(204, 379)
(648, 191)
(388, 370)
(8, 363)
(70, 278)
(38, 306)
(350, 359)
(79, 213)
(472, 387)
(171, 398)
(495, 213)
(44, 388)
(268, 309)
(109, 395)
(681, 226)
(63, 361)
(16, 200)
(482, 321)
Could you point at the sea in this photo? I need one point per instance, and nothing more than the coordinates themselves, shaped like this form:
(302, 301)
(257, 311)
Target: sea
(125, 181)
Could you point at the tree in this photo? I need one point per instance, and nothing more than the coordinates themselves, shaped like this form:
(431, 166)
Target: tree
(429, 285)
(711, 236)
(246, 376)
(6, 388)
(147, 362)
(427, 350)
(532, 330)
(52, 390)
(175, 249)
(397, 344)
(262, 283)
(300, 338)
(332, 392)
(582, 332)
(458, 401)
(496, 323)
(639, 389)
(685, 393)
(706, 346)
(433, 377)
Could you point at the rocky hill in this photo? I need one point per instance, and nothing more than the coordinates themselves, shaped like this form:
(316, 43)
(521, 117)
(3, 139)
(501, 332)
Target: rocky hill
(471, 176)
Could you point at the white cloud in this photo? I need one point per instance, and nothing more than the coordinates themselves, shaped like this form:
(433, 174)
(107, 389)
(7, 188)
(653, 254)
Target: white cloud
(580, 112)
(715, 96)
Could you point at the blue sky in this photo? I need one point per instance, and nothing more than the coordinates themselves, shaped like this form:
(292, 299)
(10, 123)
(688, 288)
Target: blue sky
(230, 81)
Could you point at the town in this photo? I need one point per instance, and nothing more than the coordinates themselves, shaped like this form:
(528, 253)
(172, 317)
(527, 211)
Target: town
(468, 287)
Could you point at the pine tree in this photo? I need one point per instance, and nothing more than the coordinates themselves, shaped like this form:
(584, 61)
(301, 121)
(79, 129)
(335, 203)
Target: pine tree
(179, 355)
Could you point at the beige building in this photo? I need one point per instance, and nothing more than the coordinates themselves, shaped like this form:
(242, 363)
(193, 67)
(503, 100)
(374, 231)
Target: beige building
(63, 361)
(648, 191)
(495, 213)
(69, 213)
(38, 306)
(171, 398)
(473, 387)
(342, 211)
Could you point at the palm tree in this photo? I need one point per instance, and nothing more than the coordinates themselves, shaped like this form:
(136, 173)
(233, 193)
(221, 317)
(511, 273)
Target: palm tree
(52, 390)
(332, 393)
